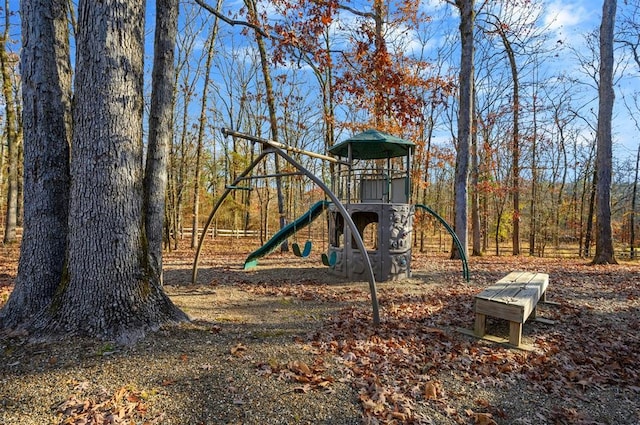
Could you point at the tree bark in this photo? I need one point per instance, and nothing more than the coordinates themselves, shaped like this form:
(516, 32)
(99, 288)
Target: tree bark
(46, 98)
(604, 239)
(109, 289)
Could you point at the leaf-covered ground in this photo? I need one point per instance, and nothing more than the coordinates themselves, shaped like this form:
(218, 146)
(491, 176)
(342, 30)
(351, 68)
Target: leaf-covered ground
(289, 343)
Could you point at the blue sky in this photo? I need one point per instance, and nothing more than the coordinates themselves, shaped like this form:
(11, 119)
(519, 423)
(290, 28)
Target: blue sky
(566, 20)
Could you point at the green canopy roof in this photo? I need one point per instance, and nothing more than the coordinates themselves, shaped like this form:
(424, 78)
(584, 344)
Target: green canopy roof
(372, 144)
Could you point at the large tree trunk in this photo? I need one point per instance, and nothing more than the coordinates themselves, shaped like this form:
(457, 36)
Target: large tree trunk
(46, 96)
(160, 127)
(465, 116)
(604, 239)
(11, 122)
(109, 288)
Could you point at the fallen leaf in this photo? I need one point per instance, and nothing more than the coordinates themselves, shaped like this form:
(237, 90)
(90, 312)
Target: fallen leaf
(399, 416)
(484, 419)
(238, 349)
(583, 383)
(482, 402)
(301, 378)
(303, 389)
(300, 368)
(133, 398)
(433, 331)
(430, 391)
(349, 357)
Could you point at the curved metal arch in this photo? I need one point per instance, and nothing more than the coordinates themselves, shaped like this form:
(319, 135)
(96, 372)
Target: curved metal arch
(194, 272)
(279, 151)
(463, 255)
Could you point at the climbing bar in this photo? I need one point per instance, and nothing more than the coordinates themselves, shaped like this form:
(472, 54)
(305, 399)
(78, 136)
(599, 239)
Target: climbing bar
(279, 145)
(238, 187)
(266, 176)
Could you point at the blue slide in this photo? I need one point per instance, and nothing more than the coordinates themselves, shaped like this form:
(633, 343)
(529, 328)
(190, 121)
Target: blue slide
(284, 233)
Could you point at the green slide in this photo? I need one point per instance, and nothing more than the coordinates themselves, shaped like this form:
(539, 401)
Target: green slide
(284, 233)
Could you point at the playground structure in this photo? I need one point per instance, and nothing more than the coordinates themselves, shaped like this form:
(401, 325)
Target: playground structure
(369, 195)
(374, 188)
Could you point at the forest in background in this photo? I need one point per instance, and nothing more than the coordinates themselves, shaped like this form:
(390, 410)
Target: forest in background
(310, 70)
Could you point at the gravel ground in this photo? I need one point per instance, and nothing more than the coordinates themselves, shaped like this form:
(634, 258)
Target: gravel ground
(205, 372)
(276, 346)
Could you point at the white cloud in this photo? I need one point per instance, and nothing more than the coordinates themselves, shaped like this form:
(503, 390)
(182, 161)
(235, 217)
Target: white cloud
(431, 6)
(563, 16)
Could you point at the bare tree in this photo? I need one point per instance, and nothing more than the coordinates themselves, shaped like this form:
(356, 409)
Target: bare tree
(604, 239)
(515, 148)
(465, 121)
(629, 37)
(271, 104)
(634, 205)
(160, 127)
(210, 49)
(11, 127)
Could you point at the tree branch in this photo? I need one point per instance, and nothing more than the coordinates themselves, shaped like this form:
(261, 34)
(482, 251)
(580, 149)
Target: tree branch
(347, 8)
(232, 22)
(356, 12)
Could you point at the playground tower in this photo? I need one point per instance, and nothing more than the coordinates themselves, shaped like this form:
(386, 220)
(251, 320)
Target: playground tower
(375, 190)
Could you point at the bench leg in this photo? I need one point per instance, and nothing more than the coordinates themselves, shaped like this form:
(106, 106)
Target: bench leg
(515, 333)
(543, 299)
(480, 325)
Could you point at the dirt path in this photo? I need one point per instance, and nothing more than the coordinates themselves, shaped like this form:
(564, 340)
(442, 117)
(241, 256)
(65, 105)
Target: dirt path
(288, 343)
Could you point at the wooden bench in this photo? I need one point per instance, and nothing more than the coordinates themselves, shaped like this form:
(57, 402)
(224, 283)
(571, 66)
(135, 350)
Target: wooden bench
(514, 298)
